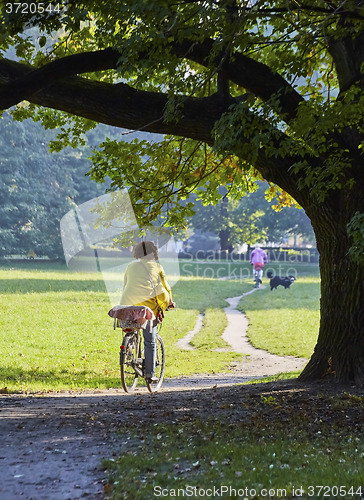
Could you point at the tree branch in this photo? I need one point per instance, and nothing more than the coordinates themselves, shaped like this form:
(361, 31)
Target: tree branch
(354, 14)
(34, 80)
(122, 106)
(248, 73)
(253, 75)
(348, 56)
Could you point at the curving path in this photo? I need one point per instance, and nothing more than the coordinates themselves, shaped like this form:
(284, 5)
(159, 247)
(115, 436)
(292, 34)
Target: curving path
(256, 362)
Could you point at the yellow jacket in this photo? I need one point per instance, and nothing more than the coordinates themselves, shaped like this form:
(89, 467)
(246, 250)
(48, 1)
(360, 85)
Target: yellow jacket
(138, 289)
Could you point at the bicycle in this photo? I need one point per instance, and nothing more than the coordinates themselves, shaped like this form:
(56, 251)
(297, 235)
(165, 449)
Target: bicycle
(132, 320)
(132, 360)
(258, 273)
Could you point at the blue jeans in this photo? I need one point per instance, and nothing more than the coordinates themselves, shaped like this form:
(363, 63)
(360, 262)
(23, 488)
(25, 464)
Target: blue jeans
(150, 349)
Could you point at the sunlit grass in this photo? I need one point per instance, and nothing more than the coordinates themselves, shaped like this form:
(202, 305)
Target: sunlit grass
(52, 334)
(284, 321)
(195, 295)
(57, 334)
(214, 321)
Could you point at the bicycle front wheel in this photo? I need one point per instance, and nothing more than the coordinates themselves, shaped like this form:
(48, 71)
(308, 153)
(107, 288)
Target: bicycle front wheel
(159, 366)
(128, 359)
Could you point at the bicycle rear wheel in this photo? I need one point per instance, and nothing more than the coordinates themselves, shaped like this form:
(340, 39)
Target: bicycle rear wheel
(159, 366)
(128, 358)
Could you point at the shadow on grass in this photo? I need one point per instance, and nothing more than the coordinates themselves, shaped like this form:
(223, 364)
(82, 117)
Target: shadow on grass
(265, 436)
(18, 380)
(276, 434)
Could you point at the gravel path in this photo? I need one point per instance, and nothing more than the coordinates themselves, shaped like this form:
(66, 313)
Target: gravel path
(256, 362)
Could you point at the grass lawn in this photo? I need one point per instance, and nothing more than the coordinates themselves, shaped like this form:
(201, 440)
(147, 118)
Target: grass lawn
(258, 441)
(284, 321)
(57, 335)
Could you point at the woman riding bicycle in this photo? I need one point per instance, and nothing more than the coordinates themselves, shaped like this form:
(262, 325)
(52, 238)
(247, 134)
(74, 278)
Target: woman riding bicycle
(258, 258)
(145, 284)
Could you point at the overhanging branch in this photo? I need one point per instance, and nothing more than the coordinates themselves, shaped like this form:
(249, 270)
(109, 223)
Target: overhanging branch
(253, 75)
(122, 106)
(338, 11)
(30, 82)
(243, 71)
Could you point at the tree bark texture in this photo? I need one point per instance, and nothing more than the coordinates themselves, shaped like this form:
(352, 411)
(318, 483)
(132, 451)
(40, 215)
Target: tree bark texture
(340, 346)
(120, 105)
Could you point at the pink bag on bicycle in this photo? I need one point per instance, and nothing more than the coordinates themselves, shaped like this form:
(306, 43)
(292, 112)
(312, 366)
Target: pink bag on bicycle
(132, 316)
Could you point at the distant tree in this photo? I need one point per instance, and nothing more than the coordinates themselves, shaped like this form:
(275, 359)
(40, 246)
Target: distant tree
(290, 221)
(231, 220)
(280, 216)
(37, 188)
(251, 219)
(30, 191)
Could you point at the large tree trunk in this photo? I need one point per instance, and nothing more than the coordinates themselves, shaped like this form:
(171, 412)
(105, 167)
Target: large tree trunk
(340, 347)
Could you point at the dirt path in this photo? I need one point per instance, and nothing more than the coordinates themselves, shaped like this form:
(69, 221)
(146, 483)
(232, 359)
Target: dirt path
(52, 445)
(256, 362)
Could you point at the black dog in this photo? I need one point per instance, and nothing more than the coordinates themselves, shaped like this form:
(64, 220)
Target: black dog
(278, 280)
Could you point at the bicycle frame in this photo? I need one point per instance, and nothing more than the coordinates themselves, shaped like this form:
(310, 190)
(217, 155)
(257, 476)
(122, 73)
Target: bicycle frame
(136, 363)
(132, 361)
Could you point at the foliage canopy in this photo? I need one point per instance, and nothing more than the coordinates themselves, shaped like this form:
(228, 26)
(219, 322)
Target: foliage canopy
(252, 86)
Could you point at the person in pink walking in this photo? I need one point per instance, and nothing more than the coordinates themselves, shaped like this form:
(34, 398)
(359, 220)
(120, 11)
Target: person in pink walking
(258, 259)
